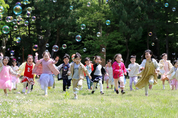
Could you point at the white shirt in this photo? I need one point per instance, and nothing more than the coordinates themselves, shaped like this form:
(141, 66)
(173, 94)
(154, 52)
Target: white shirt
(154, 62)
(98, 70)
(134, 69)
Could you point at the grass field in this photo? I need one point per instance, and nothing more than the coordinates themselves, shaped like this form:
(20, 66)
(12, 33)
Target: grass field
(58, 104)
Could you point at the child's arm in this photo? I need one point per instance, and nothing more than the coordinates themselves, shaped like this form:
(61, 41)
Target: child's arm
(156, 65)
(86, 71)
(129, 68)
(172, 69)
(142, 65)
(11, 71)
(124, 69)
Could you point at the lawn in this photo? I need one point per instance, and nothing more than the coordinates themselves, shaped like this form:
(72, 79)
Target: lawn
(58, 104)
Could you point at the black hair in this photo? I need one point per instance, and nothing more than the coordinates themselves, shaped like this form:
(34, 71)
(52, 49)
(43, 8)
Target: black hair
(163, 55)
(116, 56)
(95, 57)
(151, 53)
(174, 62)
(109, 60)
(133, 56)
(47, 53)
(77, 55)
(6, 57)
(87, 59)
(66, 56)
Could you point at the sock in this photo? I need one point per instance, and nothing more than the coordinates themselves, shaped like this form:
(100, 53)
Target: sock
(46, 90)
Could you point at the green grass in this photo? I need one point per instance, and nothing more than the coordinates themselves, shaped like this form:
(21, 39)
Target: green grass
(58, 104)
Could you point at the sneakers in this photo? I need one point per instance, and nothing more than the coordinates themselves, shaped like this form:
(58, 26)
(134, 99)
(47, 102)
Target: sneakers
(49, 87)
(122, 91)
(150, 86)
(107, 87)
(117, 91)
(146, 94)
(163, 87)
(92, 92)
(75, 96)
(67, 87)
(24, 89)
(28, 92)
(46, 95)
(101, 93)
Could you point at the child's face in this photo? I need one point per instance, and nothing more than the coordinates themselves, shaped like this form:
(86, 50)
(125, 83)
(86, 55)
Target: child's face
(87, 62)
(97, 60)
(109, 64)
(118, 58)
(77, 60)
(132, 60)
(66, 60)
(5, 62)
(148, 56)
(165, 57)
(14, 63)
(30, 60)
(176, 64)
(46, 56)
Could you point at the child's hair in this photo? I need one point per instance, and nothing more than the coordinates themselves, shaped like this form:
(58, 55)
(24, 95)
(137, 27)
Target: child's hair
(66, 56)
(109, 60)
(77, 55)
(149, 51)
(30, 56)
(73, 56)
(163, 55)
(95, 57)
(13, 60)
(116, 56)
(6, 57)
(174, 62)
(133, 56)
(47, 53)
(87, 59)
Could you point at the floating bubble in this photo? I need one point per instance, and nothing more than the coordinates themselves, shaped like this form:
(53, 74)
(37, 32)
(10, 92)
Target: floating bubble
(9, 19)
(12, 52)
(54, 1)
(153, 44)
(35, 47)
(18, 17)
(1, 16)
(1, 9)
(88, 4)
(26, 23)
(84, 49)
(5, 29)
(174, 53)
(55, 48)
(28, 14)
(173, 9)
(166, 4)
(71, 7)
(83, 26)
(108, 22)
(64, 46)
(103, 49)
(15, 27)
(106, 1)
(18, 3)
(78, 38)
(15, 21)
(150, 34)
(47, 45)
(33, 18)
(98, 34)
(25, 2)
(8, 49)
(29, 9)
(18, 39)
(17, 10)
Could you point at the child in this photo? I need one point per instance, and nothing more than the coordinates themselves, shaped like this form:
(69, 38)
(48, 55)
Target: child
(174, 75)
(25, 69)
(48, 69)
(133, 69)
(89, 67)
(118, 72)
(165, 66)
(77, 69)
(5, 75)
(64, 71)
(150, 68)
(14, 79)
(109, 74)
(97, 74)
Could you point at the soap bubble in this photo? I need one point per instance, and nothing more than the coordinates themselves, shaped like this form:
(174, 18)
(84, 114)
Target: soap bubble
(47, 45)
(150, 34)
(1, 16)
(35, 47)
(108, 22)
(71, 7)
(78, 38)
(9, 19)
(17, 10)
(26, 23)
(18, 3)
(103, 49)
(25, 2)
(173, 9)
(83, 26)
(12, 52)
(5, 29)
(88, 4)
(98, 34)
(55, 48)
(54, 1)
(64, 46)
(28, 14)
(18, 17)
(84, 49)
(33, 18)
(153, 44)
(166, 4)
(29, 9)
(15, 27)
(1, 9)
(18, 39)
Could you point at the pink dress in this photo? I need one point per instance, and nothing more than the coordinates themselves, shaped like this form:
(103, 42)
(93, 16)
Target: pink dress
(15, 79)
(5, 78)
(166, 69)
(118, 69)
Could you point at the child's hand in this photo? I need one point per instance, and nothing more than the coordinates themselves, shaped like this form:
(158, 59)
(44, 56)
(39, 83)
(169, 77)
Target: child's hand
(68, 73)
(37, 76)
(90, 77)
(107, 74)
(36, 54)
(141, 68)
(18, 75)
(57, 58)
(129, 70)
(125, 73)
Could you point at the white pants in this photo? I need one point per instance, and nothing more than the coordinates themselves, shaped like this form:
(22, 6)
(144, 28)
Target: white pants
(94, 86)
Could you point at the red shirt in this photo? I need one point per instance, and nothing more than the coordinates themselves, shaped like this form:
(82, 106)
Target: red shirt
(28, 71)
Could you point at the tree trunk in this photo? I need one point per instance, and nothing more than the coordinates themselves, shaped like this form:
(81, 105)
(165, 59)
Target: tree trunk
(127, 49)
(57, 40)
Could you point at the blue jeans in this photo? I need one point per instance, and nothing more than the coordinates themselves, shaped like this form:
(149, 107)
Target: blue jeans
(89, 83)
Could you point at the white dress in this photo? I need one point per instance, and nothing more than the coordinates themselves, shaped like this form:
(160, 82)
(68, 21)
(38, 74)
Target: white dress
(109, 70)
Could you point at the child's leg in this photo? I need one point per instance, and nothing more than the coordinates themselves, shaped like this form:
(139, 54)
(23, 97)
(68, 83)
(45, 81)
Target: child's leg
(64, 84)
(131, 80)
(24, 87)
(146, 90)
(29, 88)
(32, 87)
(116, 83)
(121, 80)
(176, 85)
(151, 81)
(80, 84)
(107, 82)
(88, 82)
(74, 83)
(5, 91)
(101, 86)
(93, 87)
(135, 79)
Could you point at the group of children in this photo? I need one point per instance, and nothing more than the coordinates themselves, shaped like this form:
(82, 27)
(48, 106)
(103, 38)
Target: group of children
(75, 72)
